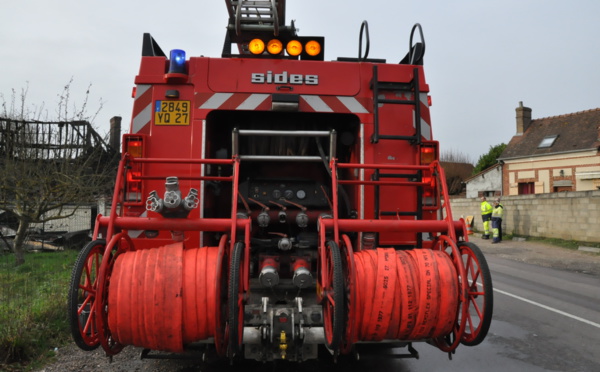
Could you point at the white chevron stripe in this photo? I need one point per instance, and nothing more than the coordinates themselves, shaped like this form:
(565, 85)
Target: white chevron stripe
(425, 128)
(353, 105)
(423, 98)
(141, 119)
(317, 103)
(252, 102)
(216, 100)
(141, 89)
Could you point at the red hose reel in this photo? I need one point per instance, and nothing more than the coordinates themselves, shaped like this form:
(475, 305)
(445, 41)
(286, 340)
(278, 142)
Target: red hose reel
(404, 295)
(411, 295)
(166, 297)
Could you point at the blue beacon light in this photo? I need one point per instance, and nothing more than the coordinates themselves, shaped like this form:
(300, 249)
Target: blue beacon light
(177, 62)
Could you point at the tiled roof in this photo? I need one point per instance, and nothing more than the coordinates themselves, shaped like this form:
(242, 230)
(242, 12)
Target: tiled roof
(576, 132)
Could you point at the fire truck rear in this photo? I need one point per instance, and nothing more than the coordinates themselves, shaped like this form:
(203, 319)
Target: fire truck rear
(269, 202)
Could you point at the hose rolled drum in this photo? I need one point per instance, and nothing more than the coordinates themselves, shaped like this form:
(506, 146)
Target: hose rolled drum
(163, 298)
(404, 295)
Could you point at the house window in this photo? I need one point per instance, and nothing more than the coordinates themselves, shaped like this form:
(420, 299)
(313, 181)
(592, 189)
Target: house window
(526, 188)
(562, 188)
(548, 141)
(562, 185)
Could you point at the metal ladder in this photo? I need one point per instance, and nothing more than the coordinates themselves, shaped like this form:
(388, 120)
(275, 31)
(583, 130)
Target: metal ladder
(415, 140)
(260, 15)
(412, 86)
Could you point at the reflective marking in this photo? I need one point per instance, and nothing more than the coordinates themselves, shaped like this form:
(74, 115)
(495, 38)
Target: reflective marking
(317, 103)
(216, 100)
(252, 102)
(423, 98)
(549, 308)
(353, 105)
(142, 119)
(137, 233)
(141, 89)
(425, 129)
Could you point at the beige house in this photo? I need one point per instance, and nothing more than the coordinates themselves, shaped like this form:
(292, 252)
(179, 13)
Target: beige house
(553, 154)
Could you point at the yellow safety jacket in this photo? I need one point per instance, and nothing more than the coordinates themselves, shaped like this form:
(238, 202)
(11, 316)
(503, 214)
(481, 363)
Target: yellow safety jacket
(486, 208)
(498, 211)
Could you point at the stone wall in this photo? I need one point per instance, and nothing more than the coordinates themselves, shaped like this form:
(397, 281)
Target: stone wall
(573, 215)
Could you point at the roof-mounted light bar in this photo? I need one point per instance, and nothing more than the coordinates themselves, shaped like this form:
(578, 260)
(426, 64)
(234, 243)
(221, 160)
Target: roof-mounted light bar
(256, 46)
(311, 48)
(274, 46)
(293, 48)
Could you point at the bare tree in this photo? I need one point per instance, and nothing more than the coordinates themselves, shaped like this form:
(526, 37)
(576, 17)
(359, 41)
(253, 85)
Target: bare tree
(457, 167)
(49, 168)
(454, 156)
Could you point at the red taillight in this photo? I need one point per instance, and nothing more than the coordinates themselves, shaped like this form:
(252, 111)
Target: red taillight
(428, 180)
(134, 146)
(133, 181)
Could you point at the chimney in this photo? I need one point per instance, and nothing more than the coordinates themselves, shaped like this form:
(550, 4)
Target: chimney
(523, 118)
(115, 133)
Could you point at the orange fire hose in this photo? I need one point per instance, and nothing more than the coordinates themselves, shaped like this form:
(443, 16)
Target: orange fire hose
(163, 298)
(405, 295)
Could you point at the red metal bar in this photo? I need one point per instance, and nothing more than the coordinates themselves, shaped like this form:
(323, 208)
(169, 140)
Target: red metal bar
(334, 199)
(184, 178)
(181, 161)
(178, 224)
(96, 227)
(383, 183)
(234, 203)
(384, 166)
(392, 225)
(118, 188)
(446, 205)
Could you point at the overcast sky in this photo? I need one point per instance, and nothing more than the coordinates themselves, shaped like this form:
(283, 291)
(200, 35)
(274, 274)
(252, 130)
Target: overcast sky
(482, 56)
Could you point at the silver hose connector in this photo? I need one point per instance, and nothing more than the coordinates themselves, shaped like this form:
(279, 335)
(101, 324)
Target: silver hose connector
(172, 197)
(191, 201)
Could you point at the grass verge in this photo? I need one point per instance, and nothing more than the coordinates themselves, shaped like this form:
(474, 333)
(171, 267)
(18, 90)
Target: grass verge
(33, 315)
(569, 244)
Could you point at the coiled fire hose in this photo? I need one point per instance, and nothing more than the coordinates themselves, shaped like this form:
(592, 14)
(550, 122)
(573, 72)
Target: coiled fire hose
(163, 298)
(405, 295)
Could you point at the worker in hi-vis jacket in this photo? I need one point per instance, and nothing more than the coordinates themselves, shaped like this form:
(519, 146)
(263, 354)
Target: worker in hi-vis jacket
(486, 216)
(497, 214)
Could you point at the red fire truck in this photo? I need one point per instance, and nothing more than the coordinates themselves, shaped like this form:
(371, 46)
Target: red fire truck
(270, 202)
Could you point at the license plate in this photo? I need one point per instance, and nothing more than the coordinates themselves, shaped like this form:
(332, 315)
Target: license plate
(172, 113)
